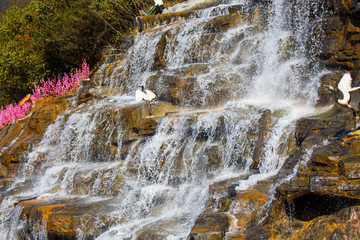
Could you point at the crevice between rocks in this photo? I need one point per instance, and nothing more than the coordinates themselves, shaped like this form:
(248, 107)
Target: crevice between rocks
(313, 205)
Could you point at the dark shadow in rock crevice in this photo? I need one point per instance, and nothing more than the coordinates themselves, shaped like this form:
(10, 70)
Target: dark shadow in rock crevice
(312, 205)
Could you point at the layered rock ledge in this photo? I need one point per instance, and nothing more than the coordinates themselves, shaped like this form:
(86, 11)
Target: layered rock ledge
(320, 201)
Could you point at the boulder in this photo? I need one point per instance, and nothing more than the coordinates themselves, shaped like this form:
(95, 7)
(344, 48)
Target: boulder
(22, 134)
(65, 219)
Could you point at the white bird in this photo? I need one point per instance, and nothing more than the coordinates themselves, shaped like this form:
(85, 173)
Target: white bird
(350, 95)
(145, 95)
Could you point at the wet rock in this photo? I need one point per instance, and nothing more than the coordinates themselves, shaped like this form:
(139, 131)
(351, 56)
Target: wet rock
(158, 230)
(319, 201)
(210, 226)
(127, 42)
(18, 137)
(182, 87)
(65, 219)
(245, 210)
(121, 127)
(265, 124)
(340, 224)
(350, 167)
(229, 211)
(98, 182)
(101, 76)
(83, 94)
(325, 187)
(215, 155)
(332, 124)
(343, 7)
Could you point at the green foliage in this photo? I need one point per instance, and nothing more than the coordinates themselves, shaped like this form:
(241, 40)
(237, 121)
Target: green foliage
(19, 62)
(5, 4)
(52, 36)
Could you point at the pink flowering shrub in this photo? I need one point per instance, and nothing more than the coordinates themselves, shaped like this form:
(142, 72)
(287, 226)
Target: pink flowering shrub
(51, 87)
(62, 85)
(13, 111)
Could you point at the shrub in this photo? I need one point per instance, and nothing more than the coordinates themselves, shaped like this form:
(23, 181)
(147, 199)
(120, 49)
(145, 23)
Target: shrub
(62, 85)
(13, 111)
(53, 36)
(54, 87)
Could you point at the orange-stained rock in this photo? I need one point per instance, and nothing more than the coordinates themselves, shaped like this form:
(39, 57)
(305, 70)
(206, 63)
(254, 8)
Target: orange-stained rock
(320, 201)
(265, 124)
(65, 219)
(16, 138)
(210, 225)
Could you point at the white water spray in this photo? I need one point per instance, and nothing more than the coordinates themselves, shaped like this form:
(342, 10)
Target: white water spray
(163, 181)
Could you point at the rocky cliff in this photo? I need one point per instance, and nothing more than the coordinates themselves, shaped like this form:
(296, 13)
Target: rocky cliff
(314, 195)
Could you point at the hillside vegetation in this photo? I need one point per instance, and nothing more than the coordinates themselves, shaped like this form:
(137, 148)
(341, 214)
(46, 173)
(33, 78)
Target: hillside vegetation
(53, 36)
(5, 4)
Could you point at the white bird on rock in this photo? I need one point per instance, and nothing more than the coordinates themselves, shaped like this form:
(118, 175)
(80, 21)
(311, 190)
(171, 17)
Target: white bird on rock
(144, 95)
(350, 95)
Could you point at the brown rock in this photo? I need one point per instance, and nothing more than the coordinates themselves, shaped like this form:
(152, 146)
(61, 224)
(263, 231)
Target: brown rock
(18, 137)
(350, 167)
(65, 218)
(210, 226)
(265, 124)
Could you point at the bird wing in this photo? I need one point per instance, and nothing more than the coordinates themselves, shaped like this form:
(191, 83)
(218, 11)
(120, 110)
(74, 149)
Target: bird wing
(150, 95)
(354, 89)
(345, 86)
(140, 95)
(345, 82)
(355, 99)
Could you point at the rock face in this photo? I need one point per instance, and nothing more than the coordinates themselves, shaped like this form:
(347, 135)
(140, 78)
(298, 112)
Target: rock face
(341, 41)
(321, 200)
(315, 195)
(18, 136)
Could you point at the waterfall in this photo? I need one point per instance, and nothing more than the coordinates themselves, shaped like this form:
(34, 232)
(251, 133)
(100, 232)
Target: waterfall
(162, 181)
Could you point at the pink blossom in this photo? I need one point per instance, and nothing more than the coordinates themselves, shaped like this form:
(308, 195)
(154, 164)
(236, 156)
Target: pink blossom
(54, 87)
(13, 111)
(62, 85)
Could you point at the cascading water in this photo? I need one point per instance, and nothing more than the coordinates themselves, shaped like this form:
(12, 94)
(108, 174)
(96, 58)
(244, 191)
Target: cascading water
(162, 181)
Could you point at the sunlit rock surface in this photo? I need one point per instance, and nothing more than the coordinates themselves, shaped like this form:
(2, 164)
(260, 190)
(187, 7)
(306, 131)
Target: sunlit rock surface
(19, 135)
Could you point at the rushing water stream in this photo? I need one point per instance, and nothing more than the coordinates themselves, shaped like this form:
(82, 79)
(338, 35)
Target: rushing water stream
(163, 181)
